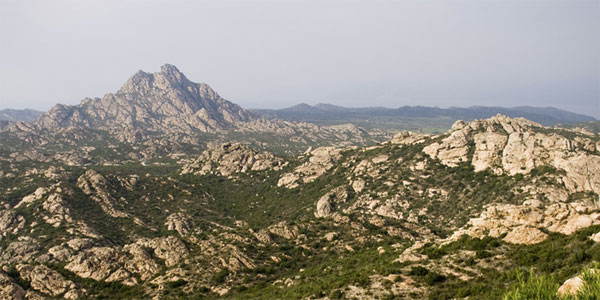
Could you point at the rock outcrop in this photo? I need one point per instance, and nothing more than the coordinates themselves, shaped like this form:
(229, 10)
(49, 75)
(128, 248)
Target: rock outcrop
(96, 186)
(231, 158)
(521, 223)
(10, 223)
(178, 222)
(21, 251)
(9, 289)
(407, 138)
(516, 146)
(141, 263)
(284, 230)
(327, 203)
(58, 210)
(573, 285)
(525, 235)
(170, 249)
(320, 161)
(45, 280)
(96, 263)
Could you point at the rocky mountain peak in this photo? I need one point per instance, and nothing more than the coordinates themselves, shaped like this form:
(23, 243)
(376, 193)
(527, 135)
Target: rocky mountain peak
(165, 101)
(171, 72)
(168, 78)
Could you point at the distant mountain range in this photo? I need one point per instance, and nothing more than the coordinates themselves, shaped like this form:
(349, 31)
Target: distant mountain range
(321, 112)
(167, 102)
(26, 115)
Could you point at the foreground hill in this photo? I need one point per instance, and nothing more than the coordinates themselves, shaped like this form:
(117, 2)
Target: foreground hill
(458, 215)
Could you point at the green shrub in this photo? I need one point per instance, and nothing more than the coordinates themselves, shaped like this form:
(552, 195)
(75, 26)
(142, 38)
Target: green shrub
(418, 271)
(336, 294)
(220, 276)
(432, 278)
(533, 287)
(176, 284)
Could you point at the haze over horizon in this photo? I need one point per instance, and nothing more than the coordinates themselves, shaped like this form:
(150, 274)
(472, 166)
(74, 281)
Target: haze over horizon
(275, 54)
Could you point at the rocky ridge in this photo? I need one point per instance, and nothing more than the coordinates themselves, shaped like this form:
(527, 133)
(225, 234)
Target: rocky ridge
(516, 146)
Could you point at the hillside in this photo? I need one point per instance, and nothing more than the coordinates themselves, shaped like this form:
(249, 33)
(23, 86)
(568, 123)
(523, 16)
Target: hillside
(419, 216)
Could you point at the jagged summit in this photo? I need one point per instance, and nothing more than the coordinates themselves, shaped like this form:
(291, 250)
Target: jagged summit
(165, 101)
(168, 77)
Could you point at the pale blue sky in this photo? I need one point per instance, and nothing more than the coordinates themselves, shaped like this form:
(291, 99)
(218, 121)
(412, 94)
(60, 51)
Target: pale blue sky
(273, 54)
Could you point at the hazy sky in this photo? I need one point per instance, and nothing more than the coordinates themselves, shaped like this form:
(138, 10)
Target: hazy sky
(273, 54)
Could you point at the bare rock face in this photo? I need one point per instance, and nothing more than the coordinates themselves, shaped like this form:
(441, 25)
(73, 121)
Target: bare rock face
(96, 186)
(10, 223)
(96, 263)
(38, 194)
(170, 249)
(264, 237)
(60, 253)
(59, 212)
(78, 244)
(513, 146)
(525, 235)
(595, 237)
(328, 202)
(321, 160)
(45, 280)
(522, 222)
(411, 254)
(123, 276)
(9, 289)
(235, 259)
(178, 222)
(141, 263)
(21, 251)
(110, 264)
(230, 158)
(407, 138)
(219, 254)
(284, 230)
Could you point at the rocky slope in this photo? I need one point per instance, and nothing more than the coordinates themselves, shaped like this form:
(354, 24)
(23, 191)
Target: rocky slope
(415, 217)
(516, 146)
